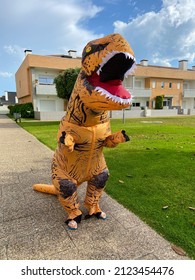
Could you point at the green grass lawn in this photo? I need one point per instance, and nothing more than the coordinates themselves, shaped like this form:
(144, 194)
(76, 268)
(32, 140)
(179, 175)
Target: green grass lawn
(155, 169)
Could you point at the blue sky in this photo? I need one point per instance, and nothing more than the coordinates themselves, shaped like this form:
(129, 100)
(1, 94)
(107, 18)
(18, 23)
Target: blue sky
(162, 31)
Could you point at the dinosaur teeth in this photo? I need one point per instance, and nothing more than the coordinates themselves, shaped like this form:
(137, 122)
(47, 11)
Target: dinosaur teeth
(130, 70)
(127, 55)
(114, 98)
(98, 71)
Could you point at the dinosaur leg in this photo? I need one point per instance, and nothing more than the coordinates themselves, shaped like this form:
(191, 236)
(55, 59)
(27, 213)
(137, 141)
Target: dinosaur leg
(69, 199)
(67, 193)
(94, 191)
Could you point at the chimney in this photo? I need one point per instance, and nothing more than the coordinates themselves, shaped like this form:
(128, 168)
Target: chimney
(27, 52)
(72, 53)
(6, 96)
(144, 62)
(183, 64)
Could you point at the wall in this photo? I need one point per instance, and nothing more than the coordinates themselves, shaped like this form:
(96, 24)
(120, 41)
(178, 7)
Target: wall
(53, 62)
(164, 72)
(162, 113)
(49, 116)
(59, 103)
(191, 111)
(23, 83)
(141, 100)
(4, 110)
(188, 103)
(143, 113)
(127, 114)
(56, 116)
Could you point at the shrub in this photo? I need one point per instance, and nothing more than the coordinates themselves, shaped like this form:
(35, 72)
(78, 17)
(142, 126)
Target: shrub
(159, 102)
(65, 81)
(10, 107)
(26, 110)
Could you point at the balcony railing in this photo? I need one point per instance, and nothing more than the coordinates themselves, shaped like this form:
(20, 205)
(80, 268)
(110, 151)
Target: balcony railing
(45, 90)
(140, 92)
(189, 93)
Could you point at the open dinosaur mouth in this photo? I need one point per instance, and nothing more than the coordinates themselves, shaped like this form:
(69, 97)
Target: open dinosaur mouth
(111, 88)
(108, 79)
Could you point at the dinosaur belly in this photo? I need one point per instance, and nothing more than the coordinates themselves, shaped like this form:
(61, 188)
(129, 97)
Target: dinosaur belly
(87, 159)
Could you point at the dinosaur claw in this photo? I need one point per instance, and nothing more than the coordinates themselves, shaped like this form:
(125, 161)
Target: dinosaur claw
(125, 136)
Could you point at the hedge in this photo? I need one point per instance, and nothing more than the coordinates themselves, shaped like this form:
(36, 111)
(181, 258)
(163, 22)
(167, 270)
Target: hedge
(26, 110)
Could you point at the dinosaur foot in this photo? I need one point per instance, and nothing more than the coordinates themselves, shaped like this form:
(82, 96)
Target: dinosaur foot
(99, 215)
(73, 223)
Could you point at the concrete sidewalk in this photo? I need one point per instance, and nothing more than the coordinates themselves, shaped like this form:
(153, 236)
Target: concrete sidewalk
(32, 224)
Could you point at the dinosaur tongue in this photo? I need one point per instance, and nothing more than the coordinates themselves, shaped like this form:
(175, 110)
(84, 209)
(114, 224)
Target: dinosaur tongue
(114, 87)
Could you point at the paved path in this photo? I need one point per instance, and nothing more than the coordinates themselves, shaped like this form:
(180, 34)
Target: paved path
(32, 224)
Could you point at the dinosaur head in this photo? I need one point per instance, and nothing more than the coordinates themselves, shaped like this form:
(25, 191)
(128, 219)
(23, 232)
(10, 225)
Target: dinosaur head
(105, 63)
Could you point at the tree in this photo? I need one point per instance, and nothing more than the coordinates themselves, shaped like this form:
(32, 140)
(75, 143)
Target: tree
(159, 102)
(65, 81)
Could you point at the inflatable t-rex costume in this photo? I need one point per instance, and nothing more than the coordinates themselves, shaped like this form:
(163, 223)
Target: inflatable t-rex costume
(85, 129)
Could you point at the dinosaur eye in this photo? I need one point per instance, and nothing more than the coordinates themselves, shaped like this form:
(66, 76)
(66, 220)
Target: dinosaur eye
(92, 49)
(88, 49)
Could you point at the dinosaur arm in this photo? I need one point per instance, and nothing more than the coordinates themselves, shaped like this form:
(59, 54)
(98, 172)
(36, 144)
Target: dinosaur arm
(68, 140)
(114, 139)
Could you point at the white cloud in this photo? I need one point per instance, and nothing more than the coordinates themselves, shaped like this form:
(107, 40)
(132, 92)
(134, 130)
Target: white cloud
(165, 36)
(6, 74)
(15, 50)
(179, 11)
(74, 9)
(52, 25)
(10, 49)
(71, 28)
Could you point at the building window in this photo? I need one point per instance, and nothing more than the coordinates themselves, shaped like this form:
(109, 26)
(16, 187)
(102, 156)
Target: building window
(128, 82)
(162, 84)
(136, 104)
(167, 102)
(138, 83)
(153, 84)
(170, 85)
(45, 80)
(178, 85)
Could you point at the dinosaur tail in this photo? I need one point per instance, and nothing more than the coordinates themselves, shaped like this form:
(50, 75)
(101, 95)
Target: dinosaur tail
(45, 188)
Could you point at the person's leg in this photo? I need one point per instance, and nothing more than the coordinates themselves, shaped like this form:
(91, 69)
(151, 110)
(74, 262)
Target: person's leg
(94, 191)
(67, 194)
